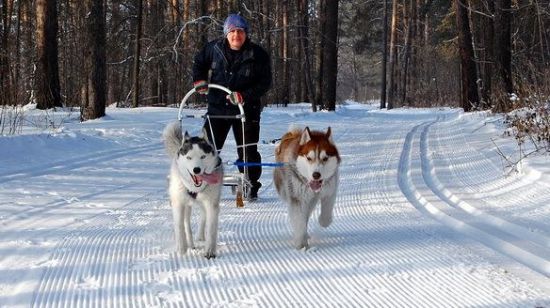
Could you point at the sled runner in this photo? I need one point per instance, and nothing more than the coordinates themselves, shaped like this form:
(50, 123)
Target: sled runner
(239, 182)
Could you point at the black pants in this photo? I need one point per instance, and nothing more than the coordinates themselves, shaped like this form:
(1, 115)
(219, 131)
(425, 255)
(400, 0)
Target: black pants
(221, 128)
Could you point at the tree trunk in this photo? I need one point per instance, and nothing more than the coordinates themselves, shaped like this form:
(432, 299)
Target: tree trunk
(321, 42)
(135, 101)
(93, 103)
(182, 79)
(186, 17)
(285, 91)
(158, 80)
(330, 70)
(174, 12)
(487, 66)
(503, 54)
(202, 34)
(410, 77)
(233, 6)
(469, 93)
(384, 57)
(408, 21)
(543, 33)
(393, 57)
(303, 32)
(14, 85)
(48, 93)
(4, 51)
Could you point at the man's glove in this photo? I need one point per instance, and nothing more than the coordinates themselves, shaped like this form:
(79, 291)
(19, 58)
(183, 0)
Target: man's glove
(201, 87)
(235, 98)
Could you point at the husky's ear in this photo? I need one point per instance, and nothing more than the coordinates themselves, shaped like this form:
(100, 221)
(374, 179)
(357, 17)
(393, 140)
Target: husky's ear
(305, 136)
(186, 136)
(328, 135)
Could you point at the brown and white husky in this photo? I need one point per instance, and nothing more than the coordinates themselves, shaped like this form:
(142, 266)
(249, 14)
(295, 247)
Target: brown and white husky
(310, 175)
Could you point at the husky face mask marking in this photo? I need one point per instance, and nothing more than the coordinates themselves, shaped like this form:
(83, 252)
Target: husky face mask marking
(195, 158)
(317, 158)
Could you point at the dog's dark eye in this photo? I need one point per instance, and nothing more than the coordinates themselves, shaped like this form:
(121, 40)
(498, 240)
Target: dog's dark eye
(325, 159)
(203, 156)
(188, 157)
(309, 158)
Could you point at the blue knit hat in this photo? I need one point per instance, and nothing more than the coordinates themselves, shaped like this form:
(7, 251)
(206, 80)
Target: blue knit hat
(234, 21)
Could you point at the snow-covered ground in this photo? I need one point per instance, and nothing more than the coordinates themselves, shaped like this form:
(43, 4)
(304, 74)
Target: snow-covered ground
(427, 215)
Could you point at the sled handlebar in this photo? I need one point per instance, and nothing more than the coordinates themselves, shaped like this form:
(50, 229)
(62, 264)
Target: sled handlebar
(210, 85)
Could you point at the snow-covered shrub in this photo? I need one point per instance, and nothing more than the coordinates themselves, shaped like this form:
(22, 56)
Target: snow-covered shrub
(531, 124)
(11, 120)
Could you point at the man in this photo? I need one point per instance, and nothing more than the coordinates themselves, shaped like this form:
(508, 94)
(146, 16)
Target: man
(244, 67)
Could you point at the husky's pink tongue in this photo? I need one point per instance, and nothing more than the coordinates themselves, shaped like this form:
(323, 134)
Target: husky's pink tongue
(211, 178)
(196, 180)
(315, 185)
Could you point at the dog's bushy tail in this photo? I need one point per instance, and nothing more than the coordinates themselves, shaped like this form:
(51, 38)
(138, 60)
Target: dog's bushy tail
(173, 137)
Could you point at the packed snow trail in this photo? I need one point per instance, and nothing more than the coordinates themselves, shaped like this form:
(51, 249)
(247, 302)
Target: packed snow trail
(530, 249)
(417, 223)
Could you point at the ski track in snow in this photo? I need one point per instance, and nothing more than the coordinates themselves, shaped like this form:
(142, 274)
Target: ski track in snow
(409, 230)
(421, 186)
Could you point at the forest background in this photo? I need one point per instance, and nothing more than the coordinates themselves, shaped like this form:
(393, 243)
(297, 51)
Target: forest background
(473, 54)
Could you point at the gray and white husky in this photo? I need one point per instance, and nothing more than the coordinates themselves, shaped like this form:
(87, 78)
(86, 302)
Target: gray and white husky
(195, 178)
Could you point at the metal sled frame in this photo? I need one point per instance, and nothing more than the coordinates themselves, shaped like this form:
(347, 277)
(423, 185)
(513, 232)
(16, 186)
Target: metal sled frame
(239, 182)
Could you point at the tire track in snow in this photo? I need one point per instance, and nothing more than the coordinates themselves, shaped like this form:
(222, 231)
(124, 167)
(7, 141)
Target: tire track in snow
(413, 176)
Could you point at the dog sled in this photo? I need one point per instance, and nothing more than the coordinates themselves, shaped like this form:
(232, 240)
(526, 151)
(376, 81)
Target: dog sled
(239, 182)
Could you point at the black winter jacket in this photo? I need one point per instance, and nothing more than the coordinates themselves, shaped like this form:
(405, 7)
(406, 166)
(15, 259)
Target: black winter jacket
(250, 74)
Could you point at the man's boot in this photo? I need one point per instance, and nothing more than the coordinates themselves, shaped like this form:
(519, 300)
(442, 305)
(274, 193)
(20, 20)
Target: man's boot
(253, 195)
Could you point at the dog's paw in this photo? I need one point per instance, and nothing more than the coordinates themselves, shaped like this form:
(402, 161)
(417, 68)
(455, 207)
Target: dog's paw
(209, 254)
(300, 243)
(325, 220)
